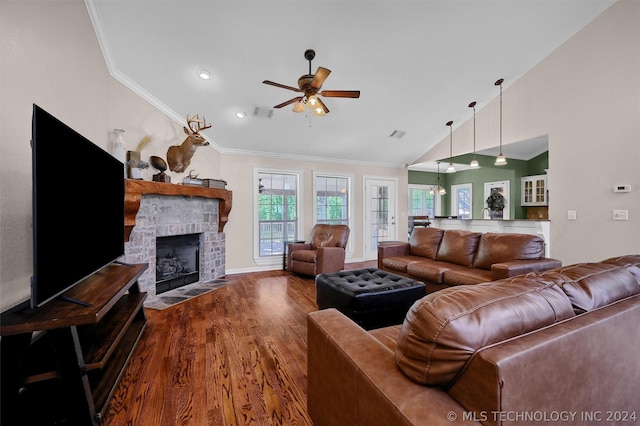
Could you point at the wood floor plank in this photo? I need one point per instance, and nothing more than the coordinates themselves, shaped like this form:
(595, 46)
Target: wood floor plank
(233, 356)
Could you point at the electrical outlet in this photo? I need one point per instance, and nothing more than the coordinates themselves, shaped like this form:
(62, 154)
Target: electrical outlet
(621, 215)
(571, 215)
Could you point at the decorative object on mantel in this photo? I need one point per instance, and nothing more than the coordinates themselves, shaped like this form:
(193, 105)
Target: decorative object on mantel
(118, 147)
(214, 183)
(160, 165)
(135, 165)
(192, 179)
(495, 204)
(179, 156)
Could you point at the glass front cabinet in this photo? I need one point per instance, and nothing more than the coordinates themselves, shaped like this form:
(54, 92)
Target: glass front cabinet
(534, 191)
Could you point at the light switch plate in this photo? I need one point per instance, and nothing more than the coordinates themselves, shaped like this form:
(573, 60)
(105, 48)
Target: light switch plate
(621, 215)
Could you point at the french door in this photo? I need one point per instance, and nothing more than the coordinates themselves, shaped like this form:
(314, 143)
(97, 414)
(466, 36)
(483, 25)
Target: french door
(379, 210)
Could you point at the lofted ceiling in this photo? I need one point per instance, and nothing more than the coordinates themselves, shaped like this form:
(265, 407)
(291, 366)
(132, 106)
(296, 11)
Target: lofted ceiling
(417, 64)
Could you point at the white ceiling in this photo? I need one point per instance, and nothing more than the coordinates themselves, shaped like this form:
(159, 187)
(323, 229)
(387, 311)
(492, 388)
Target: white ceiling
(418, 64)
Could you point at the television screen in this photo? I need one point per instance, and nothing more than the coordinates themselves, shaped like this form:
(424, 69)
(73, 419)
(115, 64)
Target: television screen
(78, 207)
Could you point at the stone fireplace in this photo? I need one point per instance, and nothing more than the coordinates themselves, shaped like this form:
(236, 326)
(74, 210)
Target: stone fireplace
(161, 210)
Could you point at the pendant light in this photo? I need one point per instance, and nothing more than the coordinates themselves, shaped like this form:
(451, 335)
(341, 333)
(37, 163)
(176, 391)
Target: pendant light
(451, 168)
(474, 162)
(501, 160)
(438, 188)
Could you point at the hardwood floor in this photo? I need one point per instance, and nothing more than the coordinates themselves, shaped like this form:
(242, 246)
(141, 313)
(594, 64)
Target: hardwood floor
(234, 356)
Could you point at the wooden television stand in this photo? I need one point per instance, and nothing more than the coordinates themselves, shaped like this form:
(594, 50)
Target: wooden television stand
(60, 363)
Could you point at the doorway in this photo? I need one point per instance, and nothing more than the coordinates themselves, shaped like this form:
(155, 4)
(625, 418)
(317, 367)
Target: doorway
(379, 208)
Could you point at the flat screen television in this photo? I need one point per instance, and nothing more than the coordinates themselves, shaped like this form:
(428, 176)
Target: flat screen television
(78, 207)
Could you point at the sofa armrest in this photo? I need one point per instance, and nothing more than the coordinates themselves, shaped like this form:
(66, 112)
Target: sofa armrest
(391, 249)
(352, 379)
(330, 259)
(291, 247)
(519, 267)
(594, 368)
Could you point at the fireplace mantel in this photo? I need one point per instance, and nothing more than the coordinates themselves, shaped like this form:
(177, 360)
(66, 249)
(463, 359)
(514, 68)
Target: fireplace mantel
(134, 189)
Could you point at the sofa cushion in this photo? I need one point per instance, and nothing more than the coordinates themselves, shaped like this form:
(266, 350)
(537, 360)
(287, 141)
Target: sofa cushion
(425, 242)
(593, 285)
(443, 329)
(430, 270)
(458, 247)
(466, 276)
(498, 248)
(399, 263)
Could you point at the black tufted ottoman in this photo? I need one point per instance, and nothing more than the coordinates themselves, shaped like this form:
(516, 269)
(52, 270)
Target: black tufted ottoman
(371, 297)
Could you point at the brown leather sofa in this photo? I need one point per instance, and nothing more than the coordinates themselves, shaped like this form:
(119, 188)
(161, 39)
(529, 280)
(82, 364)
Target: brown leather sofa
(442, 258)
(323, 253)
(554, 347)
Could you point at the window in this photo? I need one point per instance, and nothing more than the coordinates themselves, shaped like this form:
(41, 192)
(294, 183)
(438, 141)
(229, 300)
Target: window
(332, 199)
(422, 202)
(277, 204)
(461, 201)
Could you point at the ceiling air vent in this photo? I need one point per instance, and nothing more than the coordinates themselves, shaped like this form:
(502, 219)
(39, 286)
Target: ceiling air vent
(397, 134)
(262, 112)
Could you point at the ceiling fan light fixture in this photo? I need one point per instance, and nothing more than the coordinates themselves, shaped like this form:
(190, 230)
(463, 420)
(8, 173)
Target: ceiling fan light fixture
(298, 107)
(318, 111)
(312, 101)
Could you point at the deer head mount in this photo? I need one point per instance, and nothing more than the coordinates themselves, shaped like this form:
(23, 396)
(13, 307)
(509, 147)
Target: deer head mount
(179, 156)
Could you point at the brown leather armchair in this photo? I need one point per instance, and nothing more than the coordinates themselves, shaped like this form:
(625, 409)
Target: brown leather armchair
(325, 251)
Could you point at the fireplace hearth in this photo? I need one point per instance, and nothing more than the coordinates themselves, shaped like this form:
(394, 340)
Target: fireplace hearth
(177, 261)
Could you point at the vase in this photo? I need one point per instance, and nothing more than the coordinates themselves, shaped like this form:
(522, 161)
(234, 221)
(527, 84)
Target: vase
(118, 148)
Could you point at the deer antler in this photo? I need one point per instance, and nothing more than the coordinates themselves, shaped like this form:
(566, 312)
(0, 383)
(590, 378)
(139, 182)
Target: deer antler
(201, 123)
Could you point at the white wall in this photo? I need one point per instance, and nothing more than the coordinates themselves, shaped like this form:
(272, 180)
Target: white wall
(586, 97)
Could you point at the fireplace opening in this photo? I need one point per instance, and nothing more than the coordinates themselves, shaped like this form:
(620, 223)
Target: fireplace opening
(177, 261)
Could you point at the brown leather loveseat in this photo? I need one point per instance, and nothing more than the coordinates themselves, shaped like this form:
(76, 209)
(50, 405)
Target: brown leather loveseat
(557, 347)
(442, 258)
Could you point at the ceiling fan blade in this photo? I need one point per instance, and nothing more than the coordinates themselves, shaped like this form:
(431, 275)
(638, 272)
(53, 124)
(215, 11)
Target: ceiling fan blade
(290, 101)
(341, 93)
(282, 86)
(324, 107)
(319, 77)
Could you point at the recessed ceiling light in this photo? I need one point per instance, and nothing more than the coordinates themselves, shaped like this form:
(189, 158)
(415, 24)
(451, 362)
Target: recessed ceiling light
(204, 74)
(240, 114)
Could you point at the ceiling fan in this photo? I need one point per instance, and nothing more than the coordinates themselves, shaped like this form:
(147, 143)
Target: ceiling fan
(310, 85)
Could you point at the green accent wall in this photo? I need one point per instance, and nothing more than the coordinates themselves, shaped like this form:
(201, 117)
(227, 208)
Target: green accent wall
(513, 171)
